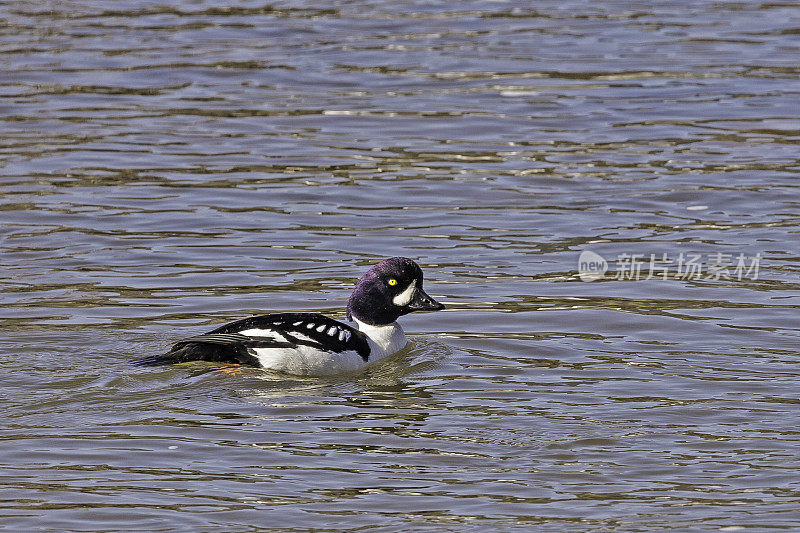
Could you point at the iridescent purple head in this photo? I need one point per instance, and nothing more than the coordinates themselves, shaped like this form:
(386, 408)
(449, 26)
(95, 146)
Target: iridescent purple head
(388, 290)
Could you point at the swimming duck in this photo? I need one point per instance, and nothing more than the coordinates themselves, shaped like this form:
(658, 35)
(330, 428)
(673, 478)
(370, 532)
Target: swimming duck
(312, 344)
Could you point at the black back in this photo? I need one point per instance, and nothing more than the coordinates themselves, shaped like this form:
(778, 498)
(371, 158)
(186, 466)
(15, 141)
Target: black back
(227, 345)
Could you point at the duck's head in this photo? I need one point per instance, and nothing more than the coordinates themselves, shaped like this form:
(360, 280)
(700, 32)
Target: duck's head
(388, 290)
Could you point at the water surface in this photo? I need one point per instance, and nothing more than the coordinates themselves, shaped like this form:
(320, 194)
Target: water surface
(169, 167)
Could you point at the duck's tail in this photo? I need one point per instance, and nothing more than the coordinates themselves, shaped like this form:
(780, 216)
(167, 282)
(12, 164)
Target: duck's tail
(183, 352)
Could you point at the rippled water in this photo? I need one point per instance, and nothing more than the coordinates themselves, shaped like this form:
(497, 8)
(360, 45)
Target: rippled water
(167, 167)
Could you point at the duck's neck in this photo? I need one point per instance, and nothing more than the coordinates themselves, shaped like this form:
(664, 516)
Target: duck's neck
(383, 340)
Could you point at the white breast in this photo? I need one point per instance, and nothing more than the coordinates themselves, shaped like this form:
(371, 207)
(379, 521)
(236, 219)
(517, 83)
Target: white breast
(383, 340)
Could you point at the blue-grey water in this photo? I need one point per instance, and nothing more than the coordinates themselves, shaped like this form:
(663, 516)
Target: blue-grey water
(166, 167)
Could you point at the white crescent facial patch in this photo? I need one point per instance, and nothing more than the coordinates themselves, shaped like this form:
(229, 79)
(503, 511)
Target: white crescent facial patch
(405, 297)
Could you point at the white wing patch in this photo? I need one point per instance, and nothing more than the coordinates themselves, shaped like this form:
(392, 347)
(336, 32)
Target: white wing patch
(332, 331)
(255, 332)
(405, 297)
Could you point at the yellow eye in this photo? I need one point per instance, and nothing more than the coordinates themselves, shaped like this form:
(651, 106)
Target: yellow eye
(392, 282)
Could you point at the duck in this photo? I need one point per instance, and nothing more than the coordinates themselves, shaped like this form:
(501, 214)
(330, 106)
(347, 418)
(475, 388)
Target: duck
(312, 344)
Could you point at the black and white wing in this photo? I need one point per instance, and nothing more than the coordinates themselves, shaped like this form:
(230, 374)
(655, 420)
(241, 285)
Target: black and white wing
(236, 342)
